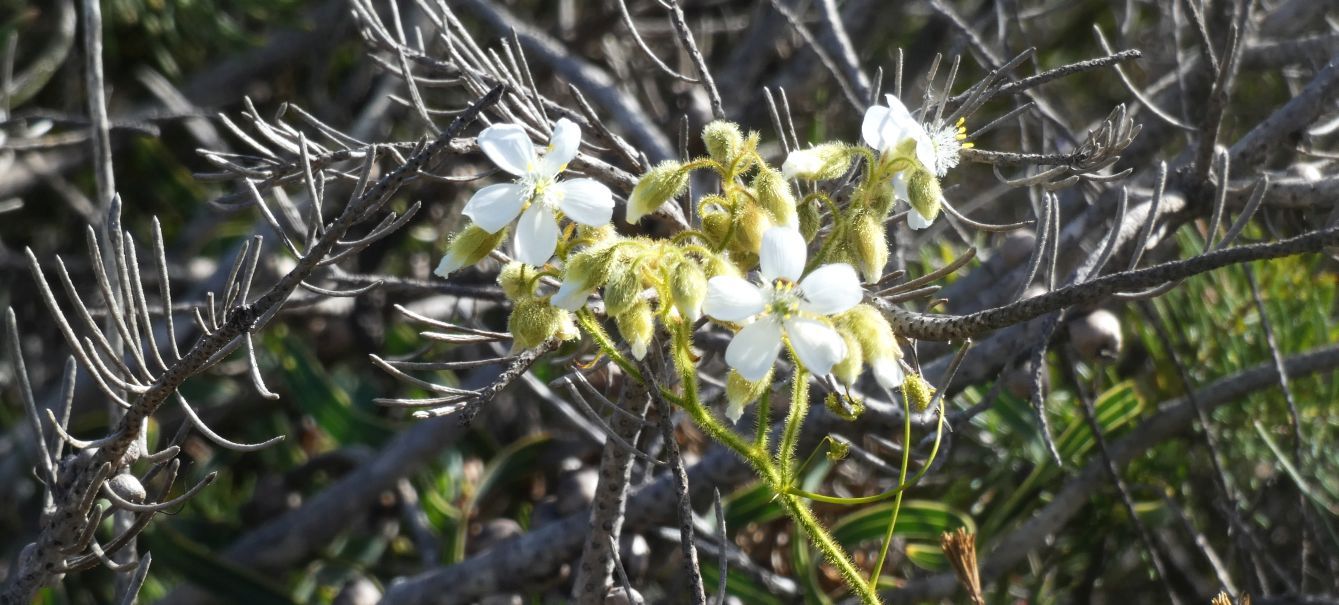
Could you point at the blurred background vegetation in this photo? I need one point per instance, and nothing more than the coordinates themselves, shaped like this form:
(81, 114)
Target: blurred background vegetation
(517, 467)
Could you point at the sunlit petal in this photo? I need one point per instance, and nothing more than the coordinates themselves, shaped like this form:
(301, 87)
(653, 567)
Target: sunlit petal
(536, 235)
(495, 206)
(509, 147)
(887, 372)
(585, 201)
(830, 289)
(916, 221)
(563, 146)
(732, 298)
(783, 254)
(754, 349)
(818, 346)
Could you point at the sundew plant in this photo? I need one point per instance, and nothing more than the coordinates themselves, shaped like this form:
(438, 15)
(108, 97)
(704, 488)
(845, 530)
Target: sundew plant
(486, 301)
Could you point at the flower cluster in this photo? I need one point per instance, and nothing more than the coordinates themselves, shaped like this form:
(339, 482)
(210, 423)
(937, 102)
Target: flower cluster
(754, 225)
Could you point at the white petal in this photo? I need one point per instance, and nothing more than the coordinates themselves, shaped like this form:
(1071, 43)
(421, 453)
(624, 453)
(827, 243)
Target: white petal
(871, 129)
(585, 201)
(916, 221)
(887, 372)
(900, 186)
(569, 296)
(495, 206)
(754, 349)
(563, 146)
(449, 264)
(509, 147)
(818, 346)
(536, 235)
(925, 149)
(731, 298)
(783, 254)
(830, 289)
(801, 162)
(897, 111)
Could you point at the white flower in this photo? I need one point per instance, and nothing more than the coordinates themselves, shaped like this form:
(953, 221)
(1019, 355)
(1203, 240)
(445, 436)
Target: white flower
(782, 307)
(496, 206)
(888, 128)
(937, 145)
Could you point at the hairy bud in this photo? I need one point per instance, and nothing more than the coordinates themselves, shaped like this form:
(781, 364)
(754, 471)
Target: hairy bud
(585, 271)
(470, 245)
(810, 220)
(534, 321)
(637, 325)
(623, 288)
(688, 286)
(662, 183)
(774, 195)
(820, 163)
(869, 242)
(925, 196)
(877, 343)
(517, 281)
(723, 140)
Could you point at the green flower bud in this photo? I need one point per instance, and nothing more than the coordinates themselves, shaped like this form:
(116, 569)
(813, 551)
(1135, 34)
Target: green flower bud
(662, 183)
(753, 222)
(724, 141)
(715, 224)
(848, 369)
(917, 391)
(585, 271)
(517, 280)
(623, 288)
(688, 286)
(810, 220)
(470, 245)
(820, 163)
(846, 408)
(637, 325)
(869, 243)
(775, 196)
(925, 196)
(534, 321)
(877, 343)
(740, 392)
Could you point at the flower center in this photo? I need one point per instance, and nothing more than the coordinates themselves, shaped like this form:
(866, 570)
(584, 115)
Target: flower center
(782, 298)
(948, 141)
(540, 190)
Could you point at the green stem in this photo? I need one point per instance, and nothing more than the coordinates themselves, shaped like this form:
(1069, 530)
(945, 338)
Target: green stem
(799, 406)
(799, 511)
(897, 504)
(606, 344)
(764, 420)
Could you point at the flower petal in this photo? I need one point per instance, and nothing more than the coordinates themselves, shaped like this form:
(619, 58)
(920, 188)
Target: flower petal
(916, 221)
(872, 128)
(900, 186)
(887, 372)
(754, 349)
(563, 146)
(569, 296)
(783, 254)
(731, 298)
(495, 206)
(509, 147)
(818, 346)
(585, 201)
(830, 289)
(448, 265)
(536, 235)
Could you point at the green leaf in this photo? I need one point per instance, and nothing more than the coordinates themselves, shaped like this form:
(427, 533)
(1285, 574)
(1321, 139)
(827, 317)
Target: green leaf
(512, 463)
